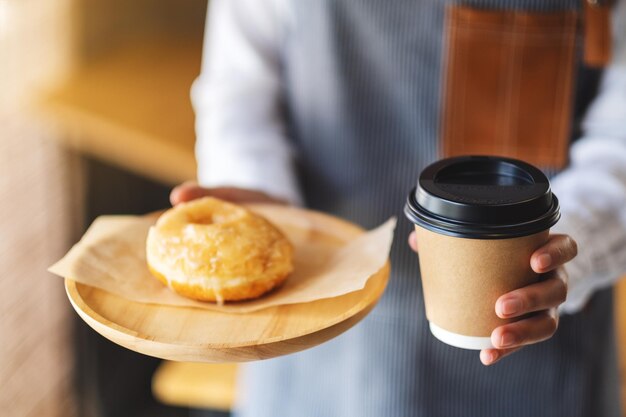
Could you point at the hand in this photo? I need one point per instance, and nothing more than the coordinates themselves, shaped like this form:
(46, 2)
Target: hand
(541, 298)
(190, 191)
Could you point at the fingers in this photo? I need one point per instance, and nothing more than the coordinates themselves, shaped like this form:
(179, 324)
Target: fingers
(519, 334)
(536, 328)
(190, 191)
(543, 295)
(491, 356)
(512, 337)
(413, 241)
(187, 191)
(558, 250)
(541, 298)
(241, 196)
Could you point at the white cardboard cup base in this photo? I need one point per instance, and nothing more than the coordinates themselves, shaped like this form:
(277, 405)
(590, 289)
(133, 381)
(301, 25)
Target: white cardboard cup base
(459, 340)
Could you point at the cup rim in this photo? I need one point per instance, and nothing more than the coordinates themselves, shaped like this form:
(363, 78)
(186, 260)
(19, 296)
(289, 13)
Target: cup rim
(430, 221)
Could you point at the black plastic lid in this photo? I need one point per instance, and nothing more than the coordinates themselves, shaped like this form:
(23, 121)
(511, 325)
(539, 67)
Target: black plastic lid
(483, 197)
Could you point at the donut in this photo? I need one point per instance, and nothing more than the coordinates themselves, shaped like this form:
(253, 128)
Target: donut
(212, 250)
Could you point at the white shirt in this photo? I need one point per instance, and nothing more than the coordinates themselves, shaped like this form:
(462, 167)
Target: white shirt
(241, 137)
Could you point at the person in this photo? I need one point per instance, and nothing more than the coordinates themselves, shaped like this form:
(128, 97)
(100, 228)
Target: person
(338, 105)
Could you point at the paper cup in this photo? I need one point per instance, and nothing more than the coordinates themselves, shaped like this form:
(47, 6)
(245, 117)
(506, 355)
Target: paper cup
(478, 220)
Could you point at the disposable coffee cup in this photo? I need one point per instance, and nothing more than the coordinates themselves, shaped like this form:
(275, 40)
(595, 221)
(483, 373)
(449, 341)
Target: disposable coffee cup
(478, 220)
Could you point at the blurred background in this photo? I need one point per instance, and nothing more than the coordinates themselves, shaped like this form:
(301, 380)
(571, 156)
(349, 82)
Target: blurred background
(95, 118)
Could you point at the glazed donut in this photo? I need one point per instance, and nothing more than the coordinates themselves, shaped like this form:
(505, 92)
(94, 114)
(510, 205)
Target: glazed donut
(211, 250)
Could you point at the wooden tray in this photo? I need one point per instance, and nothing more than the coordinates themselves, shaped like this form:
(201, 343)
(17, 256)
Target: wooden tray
(198, 335)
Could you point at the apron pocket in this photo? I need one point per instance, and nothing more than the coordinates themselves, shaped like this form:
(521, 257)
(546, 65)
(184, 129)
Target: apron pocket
(508, 86)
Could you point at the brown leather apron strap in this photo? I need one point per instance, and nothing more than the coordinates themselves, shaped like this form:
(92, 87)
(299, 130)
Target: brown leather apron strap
(597, 32)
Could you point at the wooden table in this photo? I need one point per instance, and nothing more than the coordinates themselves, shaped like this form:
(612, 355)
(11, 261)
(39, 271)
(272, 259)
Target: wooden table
(196, 385)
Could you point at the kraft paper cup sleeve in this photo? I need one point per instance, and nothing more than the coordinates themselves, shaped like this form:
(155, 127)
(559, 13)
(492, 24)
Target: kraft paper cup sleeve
(463, 278)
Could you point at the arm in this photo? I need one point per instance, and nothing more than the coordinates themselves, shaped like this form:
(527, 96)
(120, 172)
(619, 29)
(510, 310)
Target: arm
(241, 134)
(592, 193)
(592, 190)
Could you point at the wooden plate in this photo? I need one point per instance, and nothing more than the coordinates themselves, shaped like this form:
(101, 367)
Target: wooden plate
(198, 335)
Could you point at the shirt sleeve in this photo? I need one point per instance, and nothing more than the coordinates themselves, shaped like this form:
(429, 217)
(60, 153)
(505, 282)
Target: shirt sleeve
(592, 191)
(241, 137)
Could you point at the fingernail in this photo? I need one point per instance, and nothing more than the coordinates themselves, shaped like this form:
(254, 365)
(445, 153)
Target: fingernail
(544, 260)
(175, 196)
(488, 357)
(511, 306)
(508, 339)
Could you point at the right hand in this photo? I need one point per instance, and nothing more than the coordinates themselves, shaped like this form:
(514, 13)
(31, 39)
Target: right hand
(190, 191)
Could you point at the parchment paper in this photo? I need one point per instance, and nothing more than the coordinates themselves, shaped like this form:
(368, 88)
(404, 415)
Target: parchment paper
(111, 256)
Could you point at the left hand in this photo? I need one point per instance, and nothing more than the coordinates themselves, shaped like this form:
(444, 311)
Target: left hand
(541, 298)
